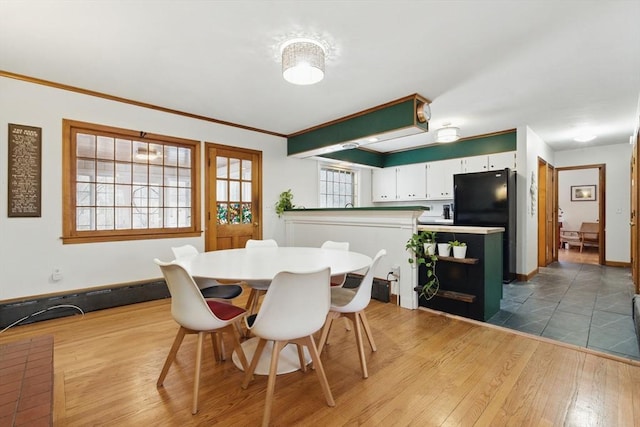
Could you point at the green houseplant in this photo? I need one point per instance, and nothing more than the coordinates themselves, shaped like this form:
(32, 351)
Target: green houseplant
(459, 249)
(420, 255)
(285, 202)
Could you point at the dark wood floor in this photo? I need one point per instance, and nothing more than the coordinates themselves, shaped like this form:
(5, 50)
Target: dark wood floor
(430, 369)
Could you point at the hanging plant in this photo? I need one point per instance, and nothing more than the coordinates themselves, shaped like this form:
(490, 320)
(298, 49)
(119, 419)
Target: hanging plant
(285, 202)
(416, 246)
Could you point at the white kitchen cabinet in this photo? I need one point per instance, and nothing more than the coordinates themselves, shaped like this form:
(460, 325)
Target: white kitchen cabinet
(504, 160)
(440, 178)
(411, 182)
(489, 162)
(383, 185)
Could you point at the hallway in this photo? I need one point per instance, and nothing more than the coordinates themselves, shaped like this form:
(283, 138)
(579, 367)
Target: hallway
(581, 304)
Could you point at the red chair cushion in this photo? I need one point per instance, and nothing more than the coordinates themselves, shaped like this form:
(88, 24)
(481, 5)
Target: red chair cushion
(224, 311)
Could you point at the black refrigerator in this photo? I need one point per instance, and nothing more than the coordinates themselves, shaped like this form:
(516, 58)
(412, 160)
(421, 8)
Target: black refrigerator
(488, 199)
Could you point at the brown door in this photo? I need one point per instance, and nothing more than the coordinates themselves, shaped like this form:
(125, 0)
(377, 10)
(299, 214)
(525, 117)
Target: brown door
(546, 202)
(633, 216)
(233, 197)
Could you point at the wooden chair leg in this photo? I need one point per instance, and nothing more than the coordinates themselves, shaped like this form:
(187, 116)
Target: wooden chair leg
(347, 324)
(271, 382)
(216, 347)
(238, 347)
(172, 355)
(248, 375)
(324, 336)
(252, 295)
(317, 364)
(358, 331)
(196, 375)
(367, 330)
(303, 362)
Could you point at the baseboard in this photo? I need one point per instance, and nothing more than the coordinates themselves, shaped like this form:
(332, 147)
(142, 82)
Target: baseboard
(617, 264)
(62, 305)
(526, 277)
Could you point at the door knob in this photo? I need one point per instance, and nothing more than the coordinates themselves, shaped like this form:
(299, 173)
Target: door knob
(255, 224)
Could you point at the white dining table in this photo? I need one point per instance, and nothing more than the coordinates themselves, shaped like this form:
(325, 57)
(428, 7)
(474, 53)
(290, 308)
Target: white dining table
(263, 263)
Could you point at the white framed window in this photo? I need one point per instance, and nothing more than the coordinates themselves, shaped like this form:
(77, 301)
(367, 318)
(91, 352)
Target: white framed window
(338, 186)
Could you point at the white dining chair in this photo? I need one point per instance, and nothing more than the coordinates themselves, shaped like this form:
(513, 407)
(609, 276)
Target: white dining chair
(351, 303)
(258, 287)
(294, 308)
(337, 280)
(210, 288)
(195, 315)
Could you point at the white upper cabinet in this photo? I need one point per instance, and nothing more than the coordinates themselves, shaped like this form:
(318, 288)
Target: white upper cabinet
(383, 185)
(489, 162)
(504, 160)
(412, 182)
(402, 183)
(440, 178)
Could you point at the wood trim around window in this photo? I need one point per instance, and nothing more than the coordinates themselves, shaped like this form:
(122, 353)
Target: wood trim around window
(70, 235)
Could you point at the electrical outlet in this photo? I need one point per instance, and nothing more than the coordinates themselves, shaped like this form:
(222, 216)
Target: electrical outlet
(56, 276)
(395, 270)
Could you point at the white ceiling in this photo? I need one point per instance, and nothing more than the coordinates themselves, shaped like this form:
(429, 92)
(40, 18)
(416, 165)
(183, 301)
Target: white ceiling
(487, 66)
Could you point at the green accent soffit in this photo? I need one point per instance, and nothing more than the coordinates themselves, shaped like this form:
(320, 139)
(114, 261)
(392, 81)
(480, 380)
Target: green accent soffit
(466, 148)
(391, 118)
(357, 156)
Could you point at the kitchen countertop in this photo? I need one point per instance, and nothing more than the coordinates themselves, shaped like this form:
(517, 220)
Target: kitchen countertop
(368, 208)
(461, 229)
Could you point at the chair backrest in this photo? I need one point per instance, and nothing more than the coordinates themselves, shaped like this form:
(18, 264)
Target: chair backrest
(296, 305)
(362, 295)
(188, 307)
(268, 243)
(590, 230)
(184, 251)
(336, 280)
(330, 244)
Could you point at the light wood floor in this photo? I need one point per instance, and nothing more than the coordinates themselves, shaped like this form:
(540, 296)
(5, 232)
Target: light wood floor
(430, 370)
(588, 256)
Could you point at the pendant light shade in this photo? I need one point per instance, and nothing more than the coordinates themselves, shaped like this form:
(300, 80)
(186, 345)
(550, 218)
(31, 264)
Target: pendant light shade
(302, 61)
(448, 134)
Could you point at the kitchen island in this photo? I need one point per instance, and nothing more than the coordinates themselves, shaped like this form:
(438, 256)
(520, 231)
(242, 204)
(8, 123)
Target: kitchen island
(469, 287)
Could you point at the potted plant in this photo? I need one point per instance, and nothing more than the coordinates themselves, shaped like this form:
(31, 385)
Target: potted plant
(429, 242)
(444, 249)
(285, 202)
(417, 246)
(459, 249)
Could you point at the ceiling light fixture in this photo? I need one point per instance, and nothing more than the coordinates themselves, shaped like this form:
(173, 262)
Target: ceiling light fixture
(448, 133)
(302, 61)
(350, 145)
(585, 137)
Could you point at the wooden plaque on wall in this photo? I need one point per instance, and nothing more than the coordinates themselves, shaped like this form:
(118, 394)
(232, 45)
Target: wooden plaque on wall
(25, 171)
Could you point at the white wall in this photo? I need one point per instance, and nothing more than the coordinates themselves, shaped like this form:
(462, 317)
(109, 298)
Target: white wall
(30, 248)
(617, 159)
(577, 212)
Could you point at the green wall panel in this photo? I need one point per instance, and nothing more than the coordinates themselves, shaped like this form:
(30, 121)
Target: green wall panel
(469, 147)
(357, 156)
(394, 117)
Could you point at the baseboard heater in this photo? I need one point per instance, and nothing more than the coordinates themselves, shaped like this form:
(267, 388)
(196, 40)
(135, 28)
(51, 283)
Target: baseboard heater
(380, 291)
(86, 301)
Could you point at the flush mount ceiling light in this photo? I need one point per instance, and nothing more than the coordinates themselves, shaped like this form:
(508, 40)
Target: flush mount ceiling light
(448, 133)
(350, 145)
(302, 61)
(585, 137)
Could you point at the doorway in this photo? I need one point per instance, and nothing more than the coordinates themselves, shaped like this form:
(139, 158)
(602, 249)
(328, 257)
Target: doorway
(233, 195)
(547, 234)
(581, 201)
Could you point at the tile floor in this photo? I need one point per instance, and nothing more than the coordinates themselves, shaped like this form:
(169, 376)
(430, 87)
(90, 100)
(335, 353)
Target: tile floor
(581, 304)
(26, 382)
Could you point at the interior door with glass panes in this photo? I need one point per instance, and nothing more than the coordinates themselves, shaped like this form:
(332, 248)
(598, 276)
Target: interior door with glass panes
(233, 192)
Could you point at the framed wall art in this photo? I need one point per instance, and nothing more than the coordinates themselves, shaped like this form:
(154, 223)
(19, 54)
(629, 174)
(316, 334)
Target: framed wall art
(583, 193)
(25, 171)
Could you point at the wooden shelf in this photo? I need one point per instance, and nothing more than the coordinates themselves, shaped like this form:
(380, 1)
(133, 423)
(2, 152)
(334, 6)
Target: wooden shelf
(459, 260)
(458, 296)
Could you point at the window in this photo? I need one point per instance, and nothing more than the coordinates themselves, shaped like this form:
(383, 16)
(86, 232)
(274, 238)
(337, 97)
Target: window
(337, 187)
(121, 184)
